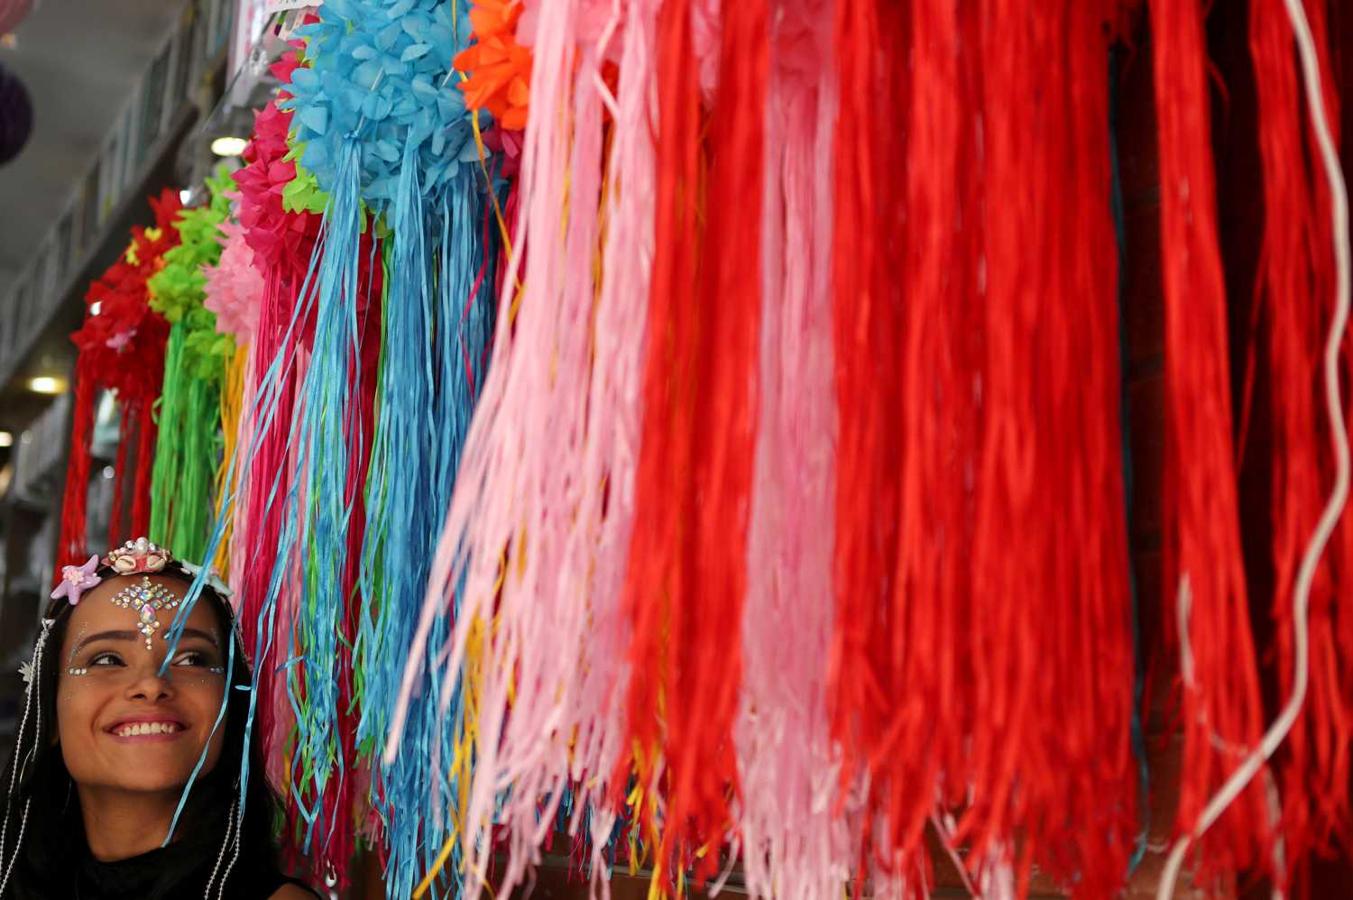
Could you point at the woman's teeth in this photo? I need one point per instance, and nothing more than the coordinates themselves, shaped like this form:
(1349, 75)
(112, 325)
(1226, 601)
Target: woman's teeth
(147, 728)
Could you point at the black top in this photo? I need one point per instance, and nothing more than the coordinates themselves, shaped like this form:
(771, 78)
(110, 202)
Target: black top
(166, 873)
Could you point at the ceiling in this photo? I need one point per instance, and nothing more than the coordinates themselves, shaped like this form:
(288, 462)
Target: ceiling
(80, 61)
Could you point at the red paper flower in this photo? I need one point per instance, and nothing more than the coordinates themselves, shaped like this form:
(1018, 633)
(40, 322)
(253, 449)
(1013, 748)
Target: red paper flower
(277, 237)
(121, 342)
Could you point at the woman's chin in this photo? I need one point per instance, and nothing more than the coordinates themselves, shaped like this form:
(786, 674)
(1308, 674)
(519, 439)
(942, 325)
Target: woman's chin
(159, 782)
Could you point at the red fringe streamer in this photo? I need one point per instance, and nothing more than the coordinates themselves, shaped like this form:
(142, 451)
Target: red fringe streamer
(1205, 576)
(74, 505)
(870, 186)
(983, 660)
(122, 350)
(687, 572)
(1295, 285)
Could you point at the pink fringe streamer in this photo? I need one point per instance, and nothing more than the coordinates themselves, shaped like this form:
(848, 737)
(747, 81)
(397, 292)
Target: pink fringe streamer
(544, 497)
(796, 843)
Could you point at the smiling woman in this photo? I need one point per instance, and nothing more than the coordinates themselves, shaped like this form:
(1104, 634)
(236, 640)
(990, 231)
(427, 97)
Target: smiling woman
(118, 721)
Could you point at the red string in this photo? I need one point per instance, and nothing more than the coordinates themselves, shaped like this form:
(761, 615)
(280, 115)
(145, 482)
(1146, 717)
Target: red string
(117, 512)
(147, 433)
(665, 466)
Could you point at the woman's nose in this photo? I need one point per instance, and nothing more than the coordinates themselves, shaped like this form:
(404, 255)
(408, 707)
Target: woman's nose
(148, 684)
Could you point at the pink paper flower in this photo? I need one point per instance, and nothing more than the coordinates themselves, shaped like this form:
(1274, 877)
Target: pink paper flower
(234, 286)
(75, 580)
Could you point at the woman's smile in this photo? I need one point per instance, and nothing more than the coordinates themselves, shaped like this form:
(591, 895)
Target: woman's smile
(147, 728)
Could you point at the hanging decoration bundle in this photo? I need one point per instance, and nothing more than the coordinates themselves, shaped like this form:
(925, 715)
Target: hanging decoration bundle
(979, 662)
(395, 304)
(796, 844)
(189, 414)
(121, 348)
(532, 555)
(1297, 279)
(234, 292)
(279, 225)
(982, 667)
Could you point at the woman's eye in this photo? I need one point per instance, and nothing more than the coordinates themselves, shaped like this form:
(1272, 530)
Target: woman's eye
(106, 659)
(191, 658)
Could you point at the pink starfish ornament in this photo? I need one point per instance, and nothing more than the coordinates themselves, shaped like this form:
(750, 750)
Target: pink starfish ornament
(75, 580)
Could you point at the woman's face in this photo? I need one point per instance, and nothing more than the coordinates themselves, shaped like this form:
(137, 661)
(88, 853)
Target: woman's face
(120, 723)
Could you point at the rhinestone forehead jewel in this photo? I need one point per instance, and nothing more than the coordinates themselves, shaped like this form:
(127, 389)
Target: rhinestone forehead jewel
(147, 599)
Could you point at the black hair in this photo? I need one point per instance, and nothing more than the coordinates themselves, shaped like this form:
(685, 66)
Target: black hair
(53, 843)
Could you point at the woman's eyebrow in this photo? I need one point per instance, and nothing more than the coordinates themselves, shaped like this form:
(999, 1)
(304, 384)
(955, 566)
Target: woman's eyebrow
(202, 635)
(136, 636)
(104, 636)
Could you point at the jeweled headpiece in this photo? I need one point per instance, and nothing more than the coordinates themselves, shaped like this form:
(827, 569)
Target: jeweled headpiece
(139, 557)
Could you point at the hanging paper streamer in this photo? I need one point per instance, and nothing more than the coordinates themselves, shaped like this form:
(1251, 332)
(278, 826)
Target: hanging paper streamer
(1205, 573)
(796, 842)
(1297, 278)
(687, 569)
(189, 414)
(379, 124)
(234, 292)
(525, 554)
(122, 348)
(281, 227)
(981, 666)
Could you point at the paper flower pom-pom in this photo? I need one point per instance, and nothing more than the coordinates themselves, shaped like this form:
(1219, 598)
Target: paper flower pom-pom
(499, 68)
(123, 342)
(180, 286)
(382, 74)
(234, 286)
(282, 236)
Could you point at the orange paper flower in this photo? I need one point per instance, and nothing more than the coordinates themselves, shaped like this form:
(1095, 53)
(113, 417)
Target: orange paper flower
(498, 68)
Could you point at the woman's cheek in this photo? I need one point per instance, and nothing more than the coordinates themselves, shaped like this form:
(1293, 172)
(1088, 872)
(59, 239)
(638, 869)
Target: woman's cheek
(205, 692)
(76, 706)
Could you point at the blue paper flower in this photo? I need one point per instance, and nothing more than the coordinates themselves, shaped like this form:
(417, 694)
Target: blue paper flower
(381, 73)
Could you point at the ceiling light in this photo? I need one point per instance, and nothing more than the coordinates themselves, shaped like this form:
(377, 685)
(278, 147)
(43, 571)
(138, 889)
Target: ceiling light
(187, 193)
(45, 384)
(228, 146)
(6, 439)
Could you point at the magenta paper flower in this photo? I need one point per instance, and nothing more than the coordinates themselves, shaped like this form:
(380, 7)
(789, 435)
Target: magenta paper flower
(75, 580)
